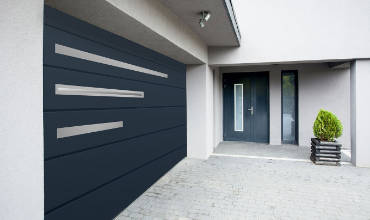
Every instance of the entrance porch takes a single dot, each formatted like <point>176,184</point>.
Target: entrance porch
<point>296,93</point>
<point>253,150</point>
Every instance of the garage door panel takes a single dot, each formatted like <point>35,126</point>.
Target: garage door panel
<point>81,61</point>
<point>135,122</point>
<point>114,118</point>
<point>77,27</point>
<point>73,175</point>
<point>154,95</point>
<point>106,202</point>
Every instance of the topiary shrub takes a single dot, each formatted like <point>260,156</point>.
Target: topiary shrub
<point>327,126</point>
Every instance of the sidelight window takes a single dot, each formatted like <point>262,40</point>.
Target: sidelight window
<point>289,107</point>
<point>238,107</point>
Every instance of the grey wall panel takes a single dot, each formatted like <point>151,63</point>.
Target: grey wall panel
<point>72,176</point>
<point>154,95</point>
<point>136,122</point>
<point>107,201</point>
<point>90,32</point>
<point>51,58</point>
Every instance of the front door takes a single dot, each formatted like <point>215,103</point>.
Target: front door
<point>246,107</point>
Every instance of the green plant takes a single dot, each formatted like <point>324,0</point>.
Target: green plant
<point>327,126</point>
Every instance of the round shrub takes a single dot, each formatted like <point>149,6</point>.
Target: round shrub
<point>327,126</point>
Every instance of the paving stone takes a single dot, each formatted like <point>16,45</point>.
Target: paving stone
<point>244,188</point>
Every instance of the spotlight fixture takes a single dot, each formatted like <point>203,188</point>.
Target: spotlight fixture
<point>205,16</point>
<point>201,23</point>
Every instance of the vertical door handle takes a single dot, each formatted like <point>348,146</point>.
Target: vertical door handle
<point>251,109</point>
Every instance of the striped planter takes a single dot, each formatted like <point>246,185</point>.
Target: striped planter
<point>324,152</point>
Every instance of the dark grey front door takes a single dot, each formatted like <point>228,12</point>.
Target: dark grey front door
<point>246,107</point>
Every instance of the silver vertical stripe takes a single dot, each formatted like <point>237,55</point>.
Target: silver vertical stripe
<point>85,129</point>
<point>72,52</point>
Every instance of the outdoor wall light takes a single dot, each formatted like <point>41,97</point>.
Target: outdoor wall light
<point>205,16</point>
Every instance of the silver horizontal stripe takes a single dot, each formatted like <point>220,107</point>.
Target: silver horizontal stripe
<point>85,129</point>
<point>61,89</point>
<point>68,51</point>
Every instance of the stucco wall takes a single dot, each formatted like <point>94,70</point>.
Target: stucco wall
<point>360,119</point>
<point>291,30</point>
<point>199,110</point>
<point>163,21</point>
<point>217,107</point>
<point>21,126</point>
<point>275,106</point>
<point>318,87</point>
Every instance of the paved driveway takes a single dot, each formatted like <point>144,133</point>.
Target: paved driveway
<point>244,188</point>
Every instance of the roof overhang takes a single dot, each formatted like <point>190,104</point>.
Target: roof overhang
<point>221,29</point>
<point>170,27</point>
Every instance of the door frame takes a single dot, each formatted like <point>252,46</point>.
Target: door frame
<point>267,73</point>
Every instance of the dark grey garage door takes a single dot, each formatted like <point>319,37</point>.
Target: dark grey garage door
<point>114,118</point>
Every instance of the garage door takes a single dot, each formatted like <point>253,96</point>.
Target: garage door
<point>114,118</point>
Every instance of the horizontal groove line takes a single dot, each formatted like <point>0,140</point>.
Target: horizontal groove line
<point>109,143</point>
<point>113,108</point>
<point>114,179</point>
<point>111,47</point>
<point>111,76</point>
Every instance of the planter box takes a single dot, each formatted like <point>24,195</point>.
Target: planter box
<point>325,152</point>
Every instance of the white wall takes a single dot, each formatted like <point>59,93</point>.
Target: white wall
<point>21,129</point>
<point>217,106</point>
<point>199,98</point>
<point>360,108</point>
<point>163,21</point>
<point>275,106</point>
<point>209,110</point>
<point>318,87</point>
<point>353,111</point>
<point>291,30</point>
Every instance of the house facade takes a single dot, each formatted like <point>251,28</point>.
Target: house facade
<point>101,98</point>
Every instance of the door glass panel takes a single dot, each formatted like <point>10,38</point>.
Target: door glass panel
<point>238,107</point>
<point>289,107</point>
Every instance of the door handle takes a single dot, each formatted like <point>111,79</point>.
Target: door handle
<point>251,109</point>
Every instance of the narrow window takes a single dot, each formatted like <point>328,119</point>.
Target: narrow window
<point>238,107</point>
<point>289,104</point>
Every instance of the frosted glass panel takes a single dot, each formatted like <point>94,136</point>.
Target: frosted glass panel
<point>289,103</point>
<point>238,107</point>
